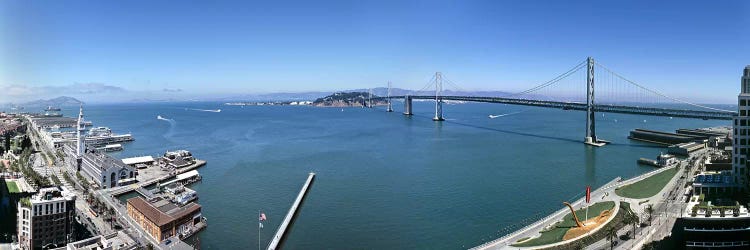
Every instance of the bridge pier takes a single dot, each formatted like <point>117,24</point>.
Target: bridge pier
<point>438,100</point>
<point>438,110</point>
<point>590,138</point>
<point>390,107</point>
<point>407,105</point>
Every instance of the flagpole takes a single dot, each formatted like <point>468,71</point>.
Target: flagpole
<point>259,230</point>
<point>588,199</point>
<point>587,213</point>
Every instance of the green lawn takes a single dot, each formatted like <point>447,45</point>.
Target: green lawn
<point>558,231</point>
<point>12,187</point>
<point>647,187</point>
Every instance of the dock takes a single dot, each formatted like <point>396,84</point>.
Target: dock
<point>649,162</point>
<point>117,191</point>
<point>284,224</point>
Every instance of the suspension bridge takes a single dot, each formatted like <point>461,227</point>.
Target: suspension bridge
<point>614,94</point>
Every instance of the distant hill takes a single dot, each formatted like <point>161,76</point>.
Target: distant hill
<point>307,96</point>
<point>54,102</point>
<point>398,92</point>
<point>345,99</point>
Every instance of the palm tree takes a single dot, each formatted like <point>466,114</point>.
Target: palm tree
<point>628,219</point>
<point>634,221</point>
<point>650,211</point>
<point>611,234</point>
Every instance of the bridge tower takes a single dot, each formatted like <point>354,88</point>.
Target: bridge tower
<point>407,105</point>
<point>390,107</point>
<point>438,98</point>
<point>590,138</point>
<point>369,98</point>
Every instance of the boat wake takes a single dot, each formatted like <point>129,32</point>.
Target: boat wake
<point>172,124</point>
<point>164,119</point>
<point>208,110</point>
<point>501,115</point>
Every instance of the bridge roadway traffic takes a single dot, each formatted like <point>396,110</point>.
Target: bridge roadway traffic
<point>607,108</point>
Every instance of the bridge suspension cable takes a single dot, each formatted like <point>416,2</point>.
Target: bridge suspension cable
<point>551,82</point>
<point>429,84</point>
<point>657,92</point>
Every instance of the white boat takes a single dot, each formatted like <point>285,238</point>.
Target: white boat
<point>111,148</point>
<point>104,135</point>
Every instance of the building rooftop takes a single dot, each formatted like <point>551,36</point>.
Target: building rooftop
<point>117,240</point>
<point>53,193</point>
<point>138,160</point>
<point>162,212</point>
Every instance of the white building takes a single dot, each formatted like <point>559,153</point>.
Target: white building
<point>115,241</point>
<point>741,146</point>
<point>46,219</point>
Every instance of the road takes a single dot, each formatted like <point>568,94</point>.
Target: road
<point>666,210</point>
<point>663,208</point>
<point>96,224</point>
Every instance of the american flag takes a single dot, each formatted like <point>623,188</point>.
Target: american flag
<point>261,217</point>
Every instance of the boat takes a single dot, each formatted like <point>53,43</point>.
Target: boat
<point>103,135</point>
<point>494,116</point>
<point>186,196</point>
<point>50,108</point>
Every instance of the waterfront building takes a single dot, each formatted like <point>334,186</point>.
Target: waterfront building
<point>162,219</point>
<point>177,159</point>
<point>139,162</point>
<point>659,137</point>
<point>741,146</point>
<point>46,219</point>
<point>667,160</point>
<point>102,169</point>
<point>705,225</point>
<point>686,148</point>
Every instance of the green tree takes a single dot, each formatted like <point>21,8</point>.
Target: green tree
<point>632,219</point>
<point>7,141</point>
<point>650,211</point>
<point>25,143</point>
<point>611,235</point>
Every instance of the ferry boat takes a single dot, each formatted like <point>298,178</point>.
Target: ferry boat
<point>103,135</point>
<point>50,108</point>
<point>186,196</point>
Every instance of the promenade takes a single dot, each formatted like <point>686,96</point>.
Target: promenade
<point>604,193</point>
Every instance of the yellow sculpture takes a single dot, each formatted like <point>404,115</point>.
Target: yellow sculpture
<point>575,217</point>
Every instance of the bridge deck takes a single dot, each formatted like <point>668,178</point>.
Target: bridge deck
<point>607,108</point>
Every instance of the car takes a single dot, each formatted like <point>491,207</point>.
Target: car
<point>166,242</point>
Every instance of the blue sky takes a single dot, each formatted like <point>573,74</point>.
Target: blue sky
<point>99,50</point>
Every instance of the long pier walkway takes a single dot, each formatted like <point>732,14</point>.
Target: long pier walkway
<point>282,228</point>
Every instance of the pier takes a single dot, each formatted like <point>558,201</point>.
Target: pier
<point>284,224</point>
<point>117,191</point>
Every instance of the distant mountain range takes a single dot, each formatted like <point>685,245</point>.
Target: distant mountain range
<point>54,102</point>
